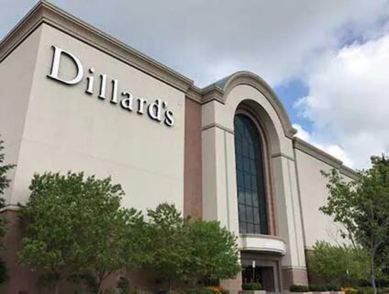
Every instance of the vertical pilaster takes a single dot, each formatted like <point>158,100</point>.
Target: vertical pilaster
<point>289,220</point>
<point>219,179</point>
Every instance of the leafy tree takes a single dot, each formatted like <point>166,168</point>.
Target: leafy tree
<point>362,207</point>
<point>191,250</point>
<point>4,184</point>
<point>4,169</point>
<point>213,251</point>
<point>169,248</point>
<point>75,227</point>
<point>343,265</point>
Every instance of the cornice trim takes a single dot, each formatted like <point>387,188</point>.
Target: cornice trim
<point>220,91</point>
<point>216,125</point>
<point>27,25</point>
<point>280,154</point>
<point>194,93</point>
<point>10,207</point>
<point>323,156</point>
<point>293,267</point>
<point>45,12</point>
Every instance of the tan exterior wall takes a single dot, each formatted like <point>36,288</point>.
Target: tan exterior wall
<point>313,194</point>
<point>51,126</point>
<point>16,78</point>
<point>67,129</point>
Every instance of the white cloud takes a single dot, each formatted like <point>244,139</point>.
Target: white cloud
<point>207,40</point>
<point>348,100</point>
<point>332,149</point>
<point>302,134</point>
<point>279,40</point>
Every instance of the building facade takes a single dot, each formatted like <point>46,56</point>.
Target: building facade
<point>74,98</point>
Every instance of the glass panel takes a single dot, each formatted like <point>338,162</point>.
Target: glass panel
<point>247,183</point>
<point>256,216</point>
<point>246,164</point>
<point>242,228</point>
<point>249,198</point>
<point>257,229</point>
<point>242,212</point>
<point>255,184</point>
<point>246,149</point>
<point>253,167</point>
<point>250,182</point>
<point>255,201</point>
<point>240,175</point>
<point>238,148</point>
<point>250,217</point>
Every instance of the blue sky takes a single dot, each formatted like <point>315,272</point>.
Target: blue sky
<point>328,61</point>
<point>289,92</point>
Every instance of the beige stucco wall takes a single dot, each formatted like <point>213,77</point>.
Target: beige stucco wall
<point>16,77</point>
<point>313,193</point>
<point>67,129</point>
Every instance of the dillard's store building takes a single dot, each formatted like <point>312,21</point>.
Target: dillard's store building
<point>74,98</point>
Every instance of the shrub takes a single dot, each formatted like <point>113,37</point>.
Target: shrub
<point>3,272</point>
<point>141,291</point>
<point>333,287</point>
<point>365,290</point>
<point>349,290</point>
<point>342,265</point>
<point>123,285</point>
<point>192,291</point>
<point>314,288</point>
<point>252,286</point>
<point>318,288</point>
<point>190,250</point>
<point>299,288</point>
<point>217,290</point>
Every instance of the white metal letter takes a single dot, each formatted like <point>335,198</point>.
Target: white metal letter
<point>55,67</point>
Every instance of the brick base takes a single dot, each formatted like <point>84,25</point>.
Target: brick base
<point>233,285</point>
<point>24,281</point>
<point>293,275</point>
<point>20,279</point>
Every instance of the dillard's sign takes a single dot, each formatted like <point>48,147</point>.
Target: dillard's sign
<point>156,111</point>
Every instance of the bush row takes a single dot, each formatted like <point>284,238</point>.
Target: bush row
<point>313,288</point>
<point>346,290</point>
<point>252,286</point>
<point>206,290</point>
<point>364,290</point>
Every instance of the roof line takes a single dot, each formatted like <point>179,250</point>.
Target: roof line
<point>45,12</point>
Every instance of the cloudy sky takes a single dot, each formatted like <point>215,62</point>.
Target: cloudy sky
<point>327,60</point>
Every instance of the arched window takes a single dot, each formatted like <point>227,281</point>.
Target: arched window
<point>250,177</point>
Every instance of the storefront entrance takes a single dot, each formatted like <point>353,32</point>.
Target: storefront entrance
<point>261,268</point>
<point>263,275</point>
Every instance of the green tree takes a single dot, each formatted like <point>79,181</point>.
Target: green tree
<point>362,207</point>
<point>4,184</point>
<point>169,247</point>
<point>74,227</point>
<point>344,265</point>
<point>213,251</point>
<point>191,250</point>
